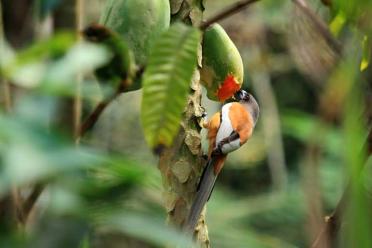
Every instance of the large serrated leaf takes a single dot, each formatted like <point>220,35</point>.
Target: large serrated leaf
<point>166,82</point>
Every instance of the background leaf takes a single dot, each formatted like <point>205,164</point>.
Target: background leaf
<point>166,83</point>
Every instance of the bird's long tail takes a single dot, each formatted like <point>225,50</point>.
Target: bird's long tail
<point>205,188</point>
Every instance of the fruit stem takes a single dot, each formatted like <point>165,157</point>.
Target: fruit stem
<point>227,12</point>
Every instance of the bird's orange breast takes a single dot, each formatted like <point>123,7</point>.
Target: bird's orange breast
<point>241,121</point>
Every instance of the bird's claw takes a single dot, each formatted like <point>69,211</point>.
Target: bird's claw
<point>204,114</point>
<point>217,150</point>
<point>202,119</point>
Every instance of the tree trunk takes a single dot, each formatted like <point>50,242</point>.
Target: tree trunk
<point>182,164</point>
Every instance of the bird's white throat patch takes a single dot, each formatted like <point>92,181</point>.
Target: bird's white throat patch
<point>225,131</point>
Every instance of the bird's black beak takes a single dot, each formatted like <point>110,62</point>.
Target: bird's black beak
<point>240,95</point>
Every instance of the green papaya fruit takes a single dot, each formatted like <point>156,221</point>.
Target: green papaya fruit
<point>139,22</point>
<point>222,66</point>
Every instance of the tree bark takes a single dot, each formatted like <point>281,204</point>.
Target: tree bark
<point>181,165</point>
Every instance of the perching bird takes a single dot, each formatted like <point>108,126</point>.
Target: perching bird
<point>117,70</point>
<point>228,130</point>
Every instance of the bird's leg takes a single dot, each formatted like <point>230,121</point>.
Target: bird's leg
<point>218,150</point>
<point>233,136</point>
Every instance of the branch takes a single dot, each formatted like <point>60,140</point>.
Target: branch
<point>30,202</point>
<point>332,222</point>
<point>92,119</point>
<point>227,12</point>
<point>319,25</point>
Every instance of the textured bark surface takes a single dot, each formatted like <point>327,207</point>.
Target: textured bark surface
<point>182,164</point>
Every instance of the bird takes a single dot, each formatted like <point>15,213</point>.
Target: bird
<point>116,72</point>
<point>228,130</point>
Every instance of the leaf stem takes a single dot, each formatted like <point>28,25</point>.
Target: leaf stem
<point>227,12</point>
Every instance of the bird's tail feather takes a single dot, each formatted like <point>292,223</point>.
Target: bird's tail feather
<point>205,188</point>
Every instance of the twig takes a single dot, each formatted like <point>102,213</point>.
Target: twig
<point>322,28</point>
<point>332,221</point>
<point>229,11</point>
<point>30,202</point>
<point>92,119</point>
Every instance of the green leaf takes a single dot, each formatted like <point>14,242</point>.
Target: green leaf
<point>53,47</point>
<point>358,209</point>
<point>166,82</point>
<point>52,65</point>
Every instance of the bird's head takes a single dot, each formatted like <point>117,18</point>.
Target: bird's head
<point>96,33</point>
<point>250,102</point>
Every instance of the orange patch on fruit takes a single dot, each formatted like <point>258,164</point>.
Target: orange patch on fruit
<point>228,88</point>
